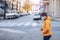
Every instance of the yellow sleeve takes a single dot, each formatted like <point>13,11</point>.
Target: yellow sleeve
<point>46,27</point>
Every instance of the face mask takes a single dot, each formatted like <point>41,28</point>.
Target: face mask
<point>42,18</point>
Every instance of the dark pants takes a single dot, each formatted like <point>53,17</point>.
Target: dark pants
<point>47,37</point>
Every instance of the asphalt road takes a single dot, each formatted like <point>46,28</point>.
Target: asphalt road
<point>24,28</point>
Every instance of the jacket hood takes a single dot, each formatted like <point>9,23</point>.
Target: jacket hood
<point>49,18</point>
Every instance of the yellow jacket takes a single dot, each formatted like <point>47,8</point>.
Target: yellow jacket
<point>47,27</point>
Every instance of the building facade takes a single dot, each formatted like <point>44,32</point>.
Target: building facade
<point>44,6</point>
<point>52,7</point>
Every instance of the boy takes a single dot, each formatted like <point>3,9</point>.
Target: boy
<point>46,27</point>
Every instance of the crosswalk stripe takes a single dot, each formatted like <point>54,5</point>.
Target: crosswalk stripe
<point>34,24</point>
<point>27,24</point>
<point>4,24</point>
<point>9,24</point>
<point>12,24</point>
<point>20,24</point>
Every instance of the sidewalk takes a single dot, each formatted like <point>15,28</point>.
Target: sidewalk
<point>56,19</point>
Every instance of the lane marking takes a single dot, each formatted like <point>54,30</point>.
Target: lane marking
<point>20,24</point>
<point>11,30</point>
<point>4,24</point>
<point>12,24</point>
<point>27,24</point>
<point>34,24</point>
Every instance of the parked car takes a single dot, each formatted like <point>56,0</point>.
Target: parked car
<point>23,14</point>
<point>36,16</point>
<point>12,14</point>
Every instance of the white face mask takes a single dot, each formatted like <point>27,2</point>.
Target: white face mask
<point>42,18</point>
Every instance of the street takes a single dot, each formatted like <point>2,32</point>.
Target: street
<point>24,28</point>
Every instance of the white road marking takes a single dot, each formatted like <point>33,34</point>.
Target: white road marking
<point>20,24</point>
<point>7,24</point>
<point>3,24</point>
<point>12,24</point>
<point>34,24</point>
<point>11,30</point>
<point>27,24</point>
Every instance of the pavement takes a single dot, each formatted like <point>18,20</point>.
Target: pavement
<point>25,28</point>
<point>56,18</point>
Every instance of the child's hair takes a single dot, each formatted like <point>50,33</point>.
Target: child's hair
<point>44,14</point>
